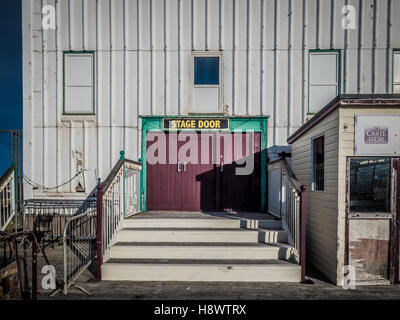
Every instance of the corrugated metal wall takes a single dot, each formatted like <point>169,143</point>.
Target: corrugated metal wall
<point>143,67</point>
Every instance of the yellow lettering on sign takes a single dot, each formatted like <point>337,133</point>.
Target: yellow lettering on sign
<point>193,124</point>
<point>200,124</point>
<point>183,124</point>
<point>218,124</point>
<point>206,124</point>
<point>173,124</point>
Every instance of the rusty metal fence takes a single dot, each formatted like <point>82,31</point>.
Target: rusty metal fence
<point>18,250</point>
<point>48,219</point>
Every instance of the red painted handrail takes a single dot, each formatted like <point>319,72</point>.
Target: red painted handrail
<point>303,232</point>
<point>99,230</point>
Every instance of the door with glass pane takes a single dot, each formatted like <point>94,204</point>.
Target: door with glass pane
<point>373,216</point>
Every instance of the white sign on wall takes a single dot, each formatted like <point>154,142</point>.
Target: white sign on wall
<point>377,135</point>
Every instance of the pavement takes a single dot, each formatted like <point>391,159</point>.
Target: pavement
<point>320,290</point>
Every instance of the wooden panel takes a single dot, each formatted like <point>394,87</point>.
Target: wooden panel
<point>164,182</point>
<point>369,249</point>
<point>198,179</point>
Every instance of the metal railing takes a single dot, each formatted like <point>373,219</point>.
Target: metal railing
<point>15,142</point>
<point>117,197</point>
<point>79,247</point>
<point>80,232</point>
<point>13,259</point>
<point>293,213</point>
<point>48,220</point>
<point>52,214</point>
<point>8,198</point>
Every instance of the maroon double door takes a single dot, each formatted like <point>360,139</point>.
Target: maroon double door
<point>201,175</point>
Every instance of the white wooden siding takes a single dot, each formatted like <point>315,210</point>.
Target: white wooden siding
<point>142,52</point>
<point>321,205</point>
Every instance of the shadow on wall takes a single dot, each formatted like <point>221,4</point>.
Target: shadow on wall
<point>221,189</point>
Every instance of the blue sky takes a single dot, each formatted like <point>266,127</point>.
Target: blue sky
<point>10,75</point>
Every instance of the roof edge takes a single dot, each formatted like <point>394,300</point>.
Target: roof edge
<point>346,100</point>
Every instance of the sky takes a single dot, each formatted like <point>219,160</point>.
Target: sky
<point>10,75</point>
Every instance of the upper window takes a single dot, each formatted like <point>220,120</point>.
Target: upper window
<point>370,185</point>
<point>206,70</point>
<point>396,71</point>
<point>324,78</point>
<point>78,83</point>
<point>206,82</point>
<point>318,164</point>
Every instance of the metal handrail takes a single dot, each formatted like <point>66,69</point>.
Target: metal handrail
<point>111,205</point>
<point>60,210</point>
<point>294,216</point>
<point>8,198</point>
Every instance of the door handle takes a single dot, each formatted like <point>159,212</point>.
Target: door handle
<point>222,166</point>
<point>184,166</point>
<point>178,167</point>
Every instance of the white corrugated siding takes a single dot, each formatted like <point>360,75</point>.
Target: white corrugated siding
<point>143,61</point>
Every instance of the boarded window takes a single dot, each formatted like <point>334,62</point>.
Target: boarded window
<point>78,83</point>
<point>318,149</point>
<point>396,72</point>
<point>323,79</point>
<point>370,185</point>
<point>206,89</point>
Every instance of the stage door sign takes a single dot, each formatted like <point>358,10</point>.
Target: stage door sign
<point>195,124</point>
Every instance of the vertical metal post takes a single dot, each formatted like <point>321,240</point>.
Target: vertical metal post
<point>99,235</point>
<point>19,165</point>
<point>15,195</point>
<point>12,145</point>
<point>122,157</point>
<point>303,232</point>
<point>34,268</point>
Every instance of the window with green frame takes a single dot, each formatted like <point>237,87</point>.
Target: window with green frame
<point>323,78</point>
<point>396,71</point>
<point>79,90</point>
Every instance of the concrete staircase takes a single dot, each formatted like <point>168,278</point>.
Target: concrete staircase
<point>217,249</point>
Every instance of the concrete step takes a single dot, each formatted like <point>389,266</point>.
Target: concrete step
<point>200,235</point>
<point>212,223</point>
<point>200,270</point>
<point>198,251</point>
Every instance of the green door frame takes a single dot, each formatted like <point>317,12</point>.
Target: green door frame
<point>256,123</point>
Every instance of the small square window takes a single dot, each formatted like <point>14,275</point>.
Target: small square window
<point>206,71</point>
